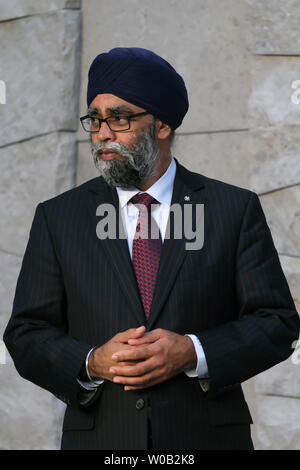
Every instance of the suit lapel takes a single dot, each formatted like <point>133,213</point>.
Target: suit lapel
<point>174,251</point>
<point>116,249</point>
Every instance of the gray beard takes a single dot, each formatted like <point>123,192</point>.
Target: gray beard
<point>138,164</point>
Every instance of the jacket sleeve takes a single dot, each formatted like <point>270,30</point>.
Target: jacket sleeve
<point>37,333</point>
<point>267,322</point>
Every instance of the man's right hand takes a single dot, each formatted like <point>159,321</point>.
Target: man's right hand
<point>100,360</point>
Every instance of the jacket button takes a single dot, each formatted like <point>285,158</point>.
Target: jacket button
<point>140,404</point>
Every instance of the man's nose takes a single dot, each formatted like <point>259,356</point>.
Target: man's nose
<point>104,133</point>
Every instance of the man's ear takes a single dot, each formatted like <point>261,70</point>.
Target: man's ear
<point>163,130</point>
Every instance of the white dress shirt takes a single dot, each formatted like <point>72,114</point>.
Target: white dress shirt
<point>162,191</point>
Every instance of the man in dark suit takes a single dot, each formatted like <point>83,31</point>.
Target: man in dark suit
<point>146,338</point>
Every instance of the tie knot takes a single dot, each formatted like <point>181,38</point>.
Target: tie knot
<point>144,198</point>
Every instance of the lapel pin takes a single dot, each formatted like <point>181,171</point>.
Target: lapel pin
<point>186,198</point>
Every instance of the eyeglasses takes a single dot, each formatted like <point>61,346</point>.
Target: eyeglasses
<point>115,123</point>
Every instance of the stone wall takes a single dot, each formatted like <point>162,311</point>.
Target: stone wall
<point>273,41</point>
<point>242,128</point>
<point>40,66</point>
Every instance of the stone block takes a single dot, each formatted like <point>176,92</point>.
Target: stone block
<point>250,396</point>
<point>275,158</point>
<point>283,216</point>
<point>278,427</point>
<point>86,169</point>
<point>206,48</point>
<point>273,27</point>
<point>281,380</point>
<point>273,102</point>
<point>39,64</point>
<point>30,416</point>
<point>19,8</point>
<point>223,155</point>
<point>291,268</point>
<point>11,266</point>
<point>31,172</point>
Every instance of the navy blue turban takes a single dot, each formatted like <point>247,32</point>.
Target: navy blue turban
<point>143,78</point>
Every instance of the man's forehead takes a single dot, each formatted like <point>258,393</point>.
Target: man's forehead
<point>104,103</point>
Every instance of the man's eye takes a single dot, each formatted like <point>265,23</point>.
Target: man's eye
<point>118,118</point>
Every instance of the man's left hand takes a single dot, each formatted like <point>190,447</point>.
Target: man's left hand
<point>159,355</point>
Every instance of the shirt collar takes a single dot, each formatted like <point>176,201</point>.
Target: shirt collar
<point>161,190</point>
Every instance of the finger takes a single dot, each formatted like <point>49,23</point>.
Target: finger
<point>144,340</point>
<point>138,333</point>
<point>131,333</point>
<point>132,354</point>
<point>127,363</point>
<point>135,370</point>
<point>149,337</point>
<point>143,381</point>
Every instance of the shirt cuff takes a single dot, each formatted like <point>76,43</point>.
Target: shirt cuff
<point>92,384</point>
<point>201,368</point>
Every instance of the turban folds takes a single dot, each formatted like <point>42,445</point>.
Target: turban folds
<point>140,77</point>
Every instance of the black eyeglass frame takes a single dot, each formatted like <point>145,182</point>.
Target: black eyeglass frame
<point>106,120</point>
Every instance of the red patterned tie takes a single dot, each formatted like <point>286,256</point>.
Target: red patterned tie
<point>146,249</point>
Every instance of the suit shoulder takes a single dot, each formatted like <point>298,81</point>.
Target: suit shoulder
<point>224,188</point>
<point>229,196</point>
<point>214,187</point>
<point>71,196</point>
<point>219,189</point>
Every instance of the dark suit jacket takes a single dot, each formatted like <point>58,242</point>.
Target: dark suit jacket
<point>75,291</point>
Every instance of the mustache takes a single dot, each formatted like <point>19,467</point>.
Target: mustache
<point>99,147</point>
<point>129,158</point>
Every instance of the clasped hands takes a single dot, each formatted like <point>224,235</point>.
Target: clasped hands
<point>139,360</point>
